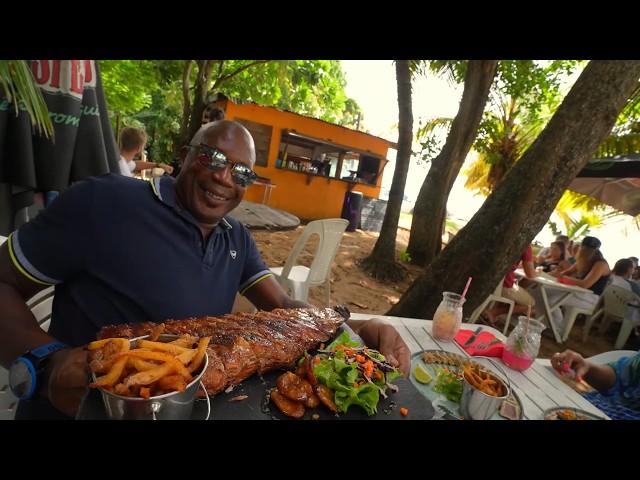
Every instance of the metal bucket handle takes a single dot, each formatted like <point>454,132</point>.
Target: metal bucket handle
<point>499,368</point>
<point>156,406</point>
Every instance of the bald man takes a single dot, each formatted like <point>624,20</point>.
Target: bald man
<point>123,251</point>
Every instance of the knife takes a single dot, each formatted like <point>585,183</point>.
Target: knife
<point>472,337</point>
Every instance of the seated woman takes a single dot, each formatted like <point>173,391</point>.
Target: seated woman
<point>555,259</point>
<point>617,383</point>
<point>591,271</point>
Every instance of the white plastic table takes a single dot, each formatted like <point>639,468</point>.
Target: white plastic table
<point>537,387</point>
<point>545,283</point>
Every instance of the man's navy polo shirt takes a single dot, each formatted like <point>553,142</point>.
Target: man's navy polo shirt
<point>120,250</point>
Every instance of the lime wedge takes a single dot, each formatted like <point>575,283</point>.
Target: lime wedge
<point>421,374</point>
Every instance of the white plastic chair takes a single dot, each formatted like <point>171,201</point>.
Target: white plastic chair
<point>614,306</point>
<point>496,296</point>
<point>571,313</point>
<point>299,278</point>
<point>40,305</point>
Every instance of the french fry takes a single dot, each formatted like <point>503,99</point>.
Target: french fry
<point>150,376</point>
<point>186,357</point>
<point>122,389</point>
<point>185,341</point>
<point>164,347</point>
<point>124,343</point>
<point>172,382</point>
<point>113,375</point>
<point>152,368</point>
<point>202,351</point>
<point>141,365</point>
<point>163,357</point>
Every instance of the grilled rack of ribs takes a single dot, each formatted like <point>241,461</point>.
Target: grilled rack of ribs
<point>245,343</point>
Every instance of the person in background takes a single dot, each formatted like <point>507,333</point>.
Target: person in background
<point>621,275</point>
<point>617,383</point>
<point>212,113</point>
<point>591,271</point>
<point>555,259</point>
<point>511,290</point>
<point>547,250</point>
<point>132,143</point>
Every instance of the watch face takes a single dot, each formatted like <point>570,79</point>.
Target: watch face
<point>22,378</point>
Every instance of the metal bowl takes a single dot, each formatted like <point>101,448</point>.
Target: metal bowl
<point>477,405</point>
<point>170,406</point>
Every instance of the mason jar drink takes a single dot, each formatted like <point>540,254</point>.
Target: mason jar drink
<point>448,316</point>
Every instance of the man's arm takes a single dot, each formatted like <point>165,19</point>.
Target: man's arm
<point>140,165</point>
<point>601,377</point>
<point>529,269</point>
<point>19,330</point>
<point>559,273</point>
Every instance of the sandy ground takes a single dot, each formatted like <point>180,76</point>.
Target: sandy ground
<point>353,287</point>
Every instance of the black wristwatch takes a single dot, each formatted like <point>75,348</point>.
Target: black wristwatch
<point>25,372</point>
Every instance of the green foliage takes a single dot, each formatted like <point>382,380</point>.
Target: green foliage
<point>405,257</point>
<point>431,135</point>
<point>309,87</point>
<point>149,93</point>
<point>19,87</point>
<point>619,145</point>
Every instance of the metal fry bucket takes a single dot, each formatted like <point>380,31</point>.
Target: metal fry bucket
<point>170,406</point>
<point>477,405</point>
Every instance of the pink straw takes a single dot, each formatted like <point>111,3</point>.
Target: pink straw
<point>464,293</point>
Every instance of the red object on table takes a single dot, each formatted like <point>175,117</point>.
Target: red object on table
<point>494,347</point>
<point>566,280</point>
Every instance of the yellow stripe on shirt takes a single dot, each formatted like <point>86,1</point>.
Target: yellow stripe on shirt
<point>257,280</point>
<point>18,266</point>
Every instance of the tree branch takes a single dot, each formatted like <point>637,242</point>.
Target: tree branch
<point>186,101</point>
<point>224,78</point>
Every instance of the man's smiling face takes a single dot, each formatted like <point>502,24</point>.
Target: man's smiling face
<point>210,194</point>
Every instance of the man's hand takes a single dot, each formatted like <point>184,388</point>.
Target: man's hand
<point>569,359</point>
<point>381,336</point>
<point>68,378</point>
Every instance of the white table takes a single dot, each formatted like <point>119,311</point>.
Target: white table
<point>537,387</point>
<point>547,282</point>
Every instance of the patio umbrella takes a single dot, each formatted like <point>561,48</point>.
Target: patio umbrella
<point>34,168</point>
<point>614,181</point>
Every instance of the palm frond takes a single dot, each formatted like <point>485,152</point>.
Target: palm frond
<point>20,89</point>
<point>431,125</point>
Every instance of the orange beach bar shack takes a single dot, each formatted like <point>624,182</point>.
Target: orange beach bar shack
<point>310,162</point>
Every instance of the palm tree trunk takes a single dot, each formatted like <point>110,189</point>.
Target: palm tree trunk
<point>431,205</point>
<point>381,264</point>
<point>519,207</point>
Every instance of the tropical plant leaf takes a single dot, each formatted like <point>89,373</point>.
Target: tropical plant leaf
<point>20,89</point>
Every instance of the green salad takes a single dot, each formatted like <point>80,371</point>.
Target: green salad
<point>357,375</point>
<point>449,383</point>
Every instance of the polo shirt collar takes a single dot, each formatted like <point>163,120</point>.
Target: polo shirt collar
<point>164,189</point>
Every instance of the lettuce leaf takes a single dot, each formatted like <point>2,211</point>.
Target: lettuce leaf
<point>343,339</point>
